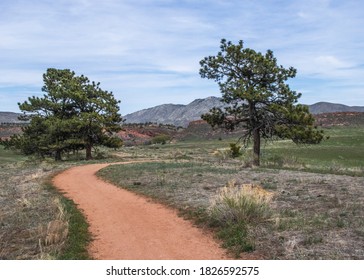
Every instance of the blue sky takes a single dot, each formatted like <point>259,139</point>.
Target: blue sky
<point>147,52</point>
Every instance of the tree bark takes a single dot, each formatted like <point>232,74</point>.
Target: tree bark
<point>88,152</point>
<point>58,156</point>
<point>256,148</point>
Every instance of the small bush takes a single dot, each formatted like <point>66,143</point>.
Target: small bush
<point>240,204</point>
<point>161,139</point>
<point>235,150</point>
<point>113,142</point>
<point>235,210</point>
<point>224,153</point>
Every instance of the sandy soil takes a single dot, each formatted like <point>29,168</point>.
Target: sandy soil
<point>127,226</point>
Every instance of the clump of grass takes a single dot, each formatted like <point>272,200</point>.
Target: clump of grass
<point>234,210</point>
<point>222,153</point>
<point>247,203</point>
<point>279,161</point>
<point>54,233</point>
<point>236,238</point>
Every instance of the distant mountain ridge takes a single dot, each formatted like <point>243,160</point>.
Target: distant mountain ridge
<point>179,115</point>
<point>9,117</point>
<point>182,115</point>
<point>326,107</point>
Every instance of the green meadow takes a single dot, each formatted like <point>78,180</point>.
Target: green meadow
<point>341,153</point>
<point>9,156</point>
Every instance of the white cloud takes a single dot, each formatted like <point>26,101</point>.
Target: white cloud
<point>143,48</point>
<point>330,62</point>
<point>9,77</point>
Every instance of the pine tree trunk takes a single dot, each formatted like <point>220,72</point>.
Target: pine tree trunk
<point>256,149</point>
<point>58,156</point>
<point>88,152</point>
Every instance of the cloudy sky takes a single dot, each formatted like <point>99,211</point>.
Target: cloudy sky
<point>147,52</point>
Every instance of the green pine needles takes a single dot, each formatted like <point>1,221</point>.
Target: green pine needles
<point>73,114</point>
<point>257,97</point>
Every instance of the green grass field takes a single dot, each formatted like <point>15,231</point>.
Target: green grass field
<point>9,156</point>
<point>342,153</point>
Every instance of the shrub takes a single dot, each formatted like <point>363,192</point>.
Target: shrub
<point>113,142</point>
<point>240,204</point>
<point>161,139</point>
<point>235,210</point>
<point>235,150</point>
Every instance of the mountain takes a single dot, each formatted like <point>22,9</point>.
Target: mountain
<point>178,115</point>
<point>9,117</point>
<point>182,115</point>
<point>326,107</point>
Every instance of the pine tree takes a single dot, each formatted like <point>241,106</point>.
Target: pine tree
<point>257,97</point>
<point>73,114</point>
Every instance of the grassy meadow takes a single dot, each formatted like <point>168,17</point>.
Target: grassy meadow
<point>8,156</point>
<point>342,153</point>
<point>315,210</point>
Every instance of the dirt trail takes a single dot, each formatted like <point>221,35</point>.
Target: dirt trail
<point>127,226</point>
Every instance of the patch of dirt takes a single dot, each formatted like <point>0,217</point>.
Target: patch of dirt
<point>127,226</point>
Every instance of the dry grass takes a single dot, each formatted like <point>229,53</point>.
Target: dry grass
<point>316,217</point>
<point>235,211</point>
<point>55,232</point>
<point>33,223</point>
<point>246,203</point>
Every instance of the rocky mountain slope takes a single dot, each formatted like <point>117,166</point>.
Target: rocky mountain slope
<point>178,115</point>
<point>182,115</point>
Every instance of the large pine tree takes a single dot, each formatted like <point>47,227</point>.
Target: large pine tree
<point>73,114</point>
<point>257,97</point>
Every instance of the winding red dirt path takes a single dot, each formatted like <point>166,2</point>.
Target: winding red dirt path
<point>127,226</point>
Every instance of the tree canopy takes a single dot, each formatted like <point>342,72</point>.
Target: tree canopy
<point>73,114</point>
<point>257,97</point>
